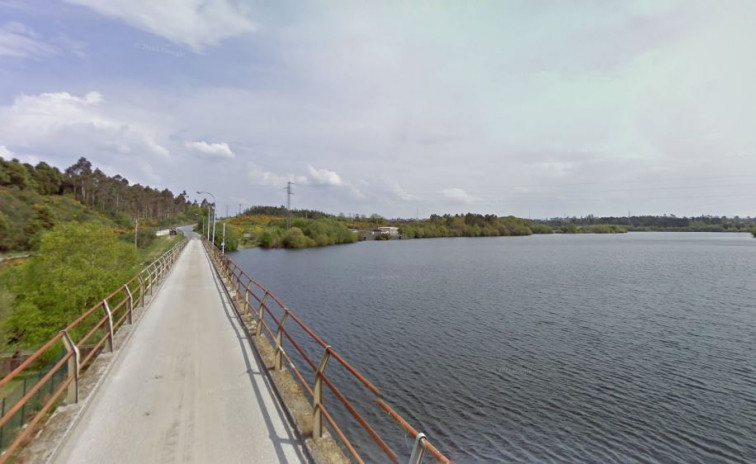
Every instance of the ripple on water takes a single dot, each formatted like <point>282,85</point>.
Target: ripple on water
<point>632,349</point>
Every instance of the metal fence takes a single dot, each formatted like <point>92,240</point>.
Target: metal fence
<point>293,342</point>
<point>39,390</point>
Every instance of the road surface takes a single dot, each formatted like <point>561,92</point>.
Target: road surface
<point>185,388</point>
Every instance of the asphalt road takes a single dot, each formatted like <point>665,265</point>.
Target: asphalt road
<point>185,388</point>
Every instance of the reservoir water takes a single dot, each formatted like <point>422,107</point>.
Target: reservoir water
<point>633,348</point>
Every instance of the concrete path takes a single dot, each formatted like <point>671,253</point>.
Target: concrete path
<point>186,387</point>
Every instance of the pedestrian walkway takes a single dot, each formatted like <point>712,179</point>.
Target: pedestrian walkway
<point>186,387</point>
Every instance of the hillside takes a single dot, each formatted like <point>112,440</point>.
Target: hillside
<point>34,199</point>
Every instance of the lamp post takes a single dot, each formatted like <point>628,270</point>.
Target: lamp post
<point>208,215</point>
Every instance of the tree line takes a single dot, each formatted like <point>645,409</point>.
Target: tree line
<point>36,198</point>
<point>660,223</point>
<point>94,188</point>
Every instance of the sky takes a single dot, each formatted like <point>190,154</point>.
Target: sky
<point>533,108</point>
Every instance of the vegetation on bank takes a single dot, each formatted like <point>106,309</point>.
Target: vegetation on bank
<point>269,231</point>
<point>468,225</point>
<point>665,223</point>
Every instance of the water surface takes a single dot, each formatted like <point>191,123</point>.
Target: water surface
<point>565,348</point>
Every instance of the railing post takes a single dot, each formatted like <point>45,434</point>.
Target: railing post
<point>418,451</point>
<point>73,368</point>
<point>131,303</point>
<point>150,276</point>
<point>141,289</point>
<point>2,414</point>
<point>109,314</point>
<point>260,313</point>
<point>317,397</point>
<point>279,341</point>
<point>246,299</point>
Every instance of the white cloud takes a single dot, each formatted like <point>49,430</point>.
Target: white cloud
<point>20,41</point>
<point>399,192</point>
<point>457,194</point>
<point>212,150</point>
<point>59,121</point>
<point>196,23</point>
<point>323,176</point>
<point>260,176</point>
<point>5,153</point>
<point>328,178</point>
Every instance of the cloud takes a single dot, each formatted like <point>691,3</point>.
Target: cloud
<point>259,176</point>
<point>20,41</point>
<point>196,23</point>
<point>5,153</point>
<point>211,150</point>
<point>457,194</point>
<point>328,178</point>
<point>52,121</point>
<point>395,189</point>
<point>323,177</point>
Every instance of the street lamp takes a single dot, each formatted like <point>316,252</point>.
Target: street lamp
<point>208,215</point>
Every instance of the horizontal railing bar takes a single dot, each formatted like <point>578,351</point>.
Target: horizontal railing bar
<point>92,331</point>
<point>373,434</point>
<point>95,349</point>
<point>301,351</point>
<point>341,435</point>
<point>21,367</point>
<point>299,375</point>
<point>356,373</point>
<point>412,432</point>
<point>309,331</point>
<point>30,427</point>
<point>31,392</point>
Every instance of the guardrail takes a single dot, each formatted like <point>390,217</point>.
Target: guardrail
<point>271,316</point>
<point>83,339</point>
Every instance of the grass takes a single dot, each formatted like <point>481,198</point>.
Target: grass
<point>159,246</point>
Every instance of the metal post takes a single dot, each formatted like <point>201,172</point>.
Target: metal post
<point>108,313</point>
<point>418,451</point>
<point>223,243</point>
<point>260,312</point>
<point>23,406</point>
<point>279,341</point>
<point>246,299</point>
<point>2,414</point>
<point>317,413</point>
<point>73,368</point>
<point>131,304</point>
<point>141,288</point>
<point>149,279</point>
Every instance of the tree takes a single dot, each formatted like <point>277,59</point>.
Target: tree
<point>14,174</point>
<point>49,180</point>
<point>78,264</point>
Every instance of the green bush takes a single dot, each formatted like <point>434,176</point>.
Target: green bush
<point>77,265</point>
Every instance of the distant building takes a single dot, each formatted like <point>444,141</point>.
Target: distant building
<point>383,230</point>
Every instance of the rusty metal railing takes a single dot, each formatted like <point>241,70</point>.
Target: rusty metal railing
<point>83,339</point>
<point>271,317</point>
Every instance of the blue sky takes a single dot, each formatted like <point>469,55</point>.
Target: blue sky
<point>531,108</point>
